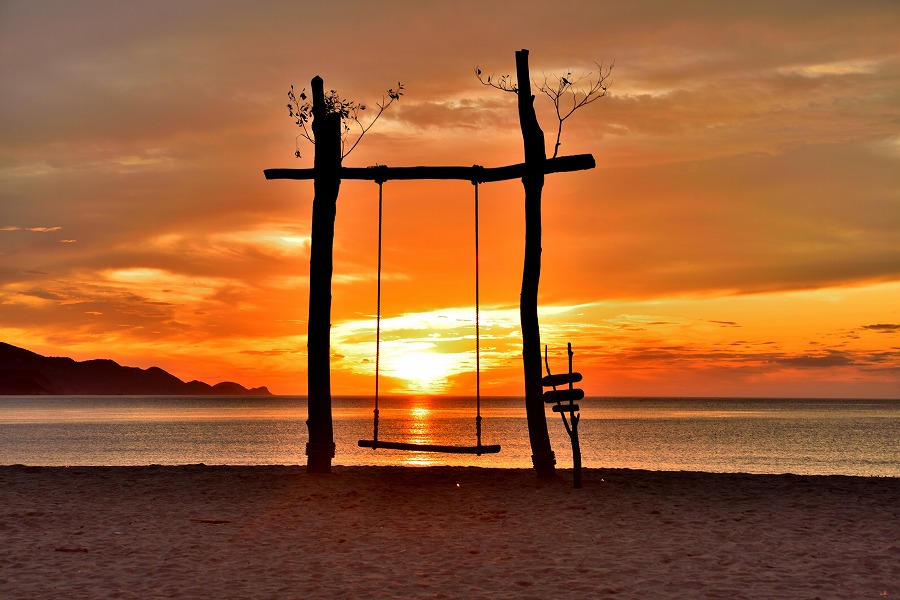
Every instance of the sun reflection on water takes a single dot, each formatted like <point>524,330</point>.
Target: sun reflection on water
<point>420,412</point>
<point>419,430</point>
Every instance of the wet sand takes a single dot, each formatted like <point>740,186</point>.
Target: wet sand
<point>442,532</point>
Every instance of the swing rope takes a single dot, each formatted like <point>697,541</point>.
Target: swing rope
<point>378,317</point>
<point>477,328</point>
<point>374,443</point>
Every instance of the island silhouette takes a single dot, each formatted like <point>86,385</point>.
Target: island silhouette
<point>26,373</point>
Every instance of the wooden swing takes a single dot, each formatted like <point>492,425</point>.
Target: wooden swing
<point>479,448</point>
<point>328,173</point>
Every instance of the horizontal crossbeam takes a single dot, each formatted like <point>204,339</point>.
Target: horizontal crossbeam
<point>379,445</point>
<point>562,164</point>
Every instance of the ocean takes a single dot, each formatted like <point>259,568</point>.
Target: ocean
<point>802,436</point>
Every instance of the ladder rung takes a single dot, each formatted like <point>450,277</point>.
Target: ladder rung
<point>560,379</point>
<point>564,395</point>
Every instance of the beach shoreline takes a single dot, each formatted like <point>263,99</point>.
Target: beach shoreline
<point>198,531</point>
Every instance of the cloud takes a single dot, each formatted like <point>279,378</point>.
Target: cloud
<point>882,328</point>
<point>828,359</point>
<point>34,229</point>
<point>275,352</point>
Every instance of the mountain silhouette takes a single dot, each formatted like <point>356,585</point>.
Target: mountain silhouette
<point>26,373</point>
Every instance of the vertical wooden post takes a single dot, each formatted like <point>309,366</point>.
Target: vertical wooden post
<point>327,131</point>
<point>542,456</point>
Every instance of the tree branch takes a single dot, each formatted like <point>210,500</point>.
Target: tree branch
<point>300,108</point>
<point>583,89</point>
<point>382,106</point>
<point>504,83</point>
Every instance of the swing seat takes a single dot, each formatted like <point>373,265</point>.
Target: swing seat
<point>379,444</point>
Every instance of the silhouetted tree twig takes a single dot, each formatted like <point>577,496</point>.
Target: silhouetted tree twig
<point>300,109</point>
<point>567,93</point>
<point>582,90</point>
<point>503,83</point>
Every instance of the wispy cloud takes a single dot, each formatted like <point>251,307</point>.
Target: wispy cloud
<point>34,229</point>
<point>883,327</point>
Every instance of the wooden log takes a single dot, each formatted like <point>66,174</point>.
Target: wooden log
<point>327,128</point>
<point>562,164</point>
<point>542,456</point>
<point>380,445</point>
<point>561,408</point>
<point>563,395</point>
<point>560,379</point>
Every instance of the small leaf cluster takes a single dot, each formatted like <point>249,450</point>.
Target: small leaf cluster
<point>300,109</point>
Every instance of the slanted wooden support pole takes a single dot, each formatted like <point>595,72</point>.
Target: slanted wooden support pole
<point>573,432</point>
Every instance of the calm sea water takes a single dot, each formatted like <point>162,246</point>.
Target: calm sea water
<point>804,436</point>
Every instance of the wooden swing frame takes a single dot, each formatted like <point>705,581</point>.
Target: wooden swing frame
<point>328,173</point>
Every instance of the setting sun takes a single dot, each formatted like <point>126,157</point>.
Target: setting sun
<point>420,353</point>
<point>422,369</point>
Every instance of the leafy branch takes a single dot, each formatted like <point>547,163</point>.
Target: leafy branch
<point>300,109</point>
<point>567,93</point>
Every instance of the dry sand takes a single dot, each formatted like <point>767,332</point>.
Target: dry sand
<point>393,532</point>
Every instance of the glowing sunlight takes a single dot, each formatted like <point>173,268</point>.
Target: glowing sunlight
<point>424,371</point>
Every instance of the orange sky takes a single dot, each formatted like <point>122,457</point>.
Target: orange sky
<point>740,235</point>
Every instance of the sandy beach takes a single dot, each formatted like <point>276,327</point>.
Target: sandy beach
<point>392,532</point>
